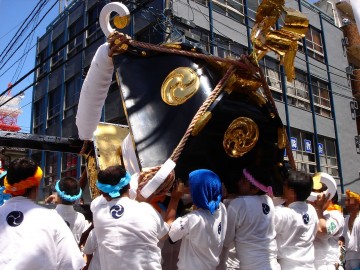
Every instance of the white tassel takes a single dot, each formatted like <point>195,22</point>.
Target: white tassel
<point>93,92</point>
<point>158,178</point>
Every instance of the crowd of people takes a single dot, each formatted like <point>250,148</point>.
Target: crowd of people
<point>248,230</point>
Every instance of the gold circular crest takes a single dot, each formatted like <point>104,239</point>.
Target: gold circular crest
<point>180,85</point>
<point>121,22</point>
<point>240,137</point>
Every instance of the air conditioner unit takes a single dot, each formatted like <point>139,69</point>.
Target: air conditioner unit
<point>187,23</point>
<point>352,110</point>
<point>349,70</point>
<point>355,104</point>
<point>191,36</point>
<point>357,144</point>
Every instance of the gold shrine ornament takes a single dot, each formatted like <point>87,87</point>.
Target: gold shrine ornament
<point>179,86</point>
<point>240,137</point>
<point>121,22</point>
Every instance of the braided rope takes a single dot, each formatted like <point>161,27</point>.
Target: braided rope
<point>272,101</point>
<point>212,58</point>
<point>244,64</point>
<point>210,99</point>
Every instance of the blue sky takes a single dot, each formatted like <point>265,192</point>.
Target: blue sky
<point>12,14</point>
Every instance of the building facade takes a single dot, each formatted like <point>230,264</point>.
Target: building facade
<point>315,107</point>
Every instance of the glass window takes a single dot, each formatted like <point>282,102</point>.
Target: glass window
<point>54,101</point>
<point>72,95</point>
<point>50,169</point>
<point>150,35</point>
<point>314,44</point>
<point>297,91</point>
<point>328,159</point>
<point>39,114</point>
<point>92,22</point>
<point>252,8</point>
<point>56,45</point>
<point>69,165</point>
<point>303,150</point>
<point>321,97</point>
<point>234,9</point>
<point>273,76</point>
<point>41,60</point>
<point>75,39</point>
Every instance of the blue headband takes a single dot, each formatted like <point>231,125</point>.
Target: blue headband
<point>3,174</point>
<point>205,189</point>
<point>3,197</point>
<point>69,198</point>
<point>114,190</point>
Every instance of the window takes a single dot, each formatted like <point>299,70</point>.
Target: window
<point>39,114</point>
<point>50,169</point>
<point>328,159</point>
<point>227,48</point>
<point>314,44</point>
<point>150,35</point>
<point>92,22</point>
<point>297,91</point>
<point>252,7</point>
<point>302,145</point>
<point>56,45</point>
<point>233,9</point>
<point>54,106</point>
<point>75,39</point>
<point>41,60</point>
<point>321,97</point>
<point>69,165</point>
<point>202,34</point>
<point>273,76</point>
<point>72,95</point>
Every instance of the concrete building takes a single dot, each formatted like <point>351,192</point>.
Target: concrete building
<point>315,107</point>
<point>348,19</point>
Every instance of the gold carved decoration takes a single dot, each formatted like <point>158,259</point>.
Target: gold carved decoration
<point>180,85</point>
<point>240,137</point>
<point>257,98</point>
<point>282,139</point>
<point>121,22</point>
<point>283,41</point>
<point>201,123</point>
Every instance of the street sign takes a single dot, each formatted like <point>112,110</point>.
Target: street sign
<point>293,143</point>
<point>321,148</point>
<point>308,147</point>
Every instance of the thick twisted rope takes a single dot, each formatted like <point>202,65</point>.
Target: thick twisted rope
<point>210,58</point>
<point>210,99</point>
<point>119,43</point>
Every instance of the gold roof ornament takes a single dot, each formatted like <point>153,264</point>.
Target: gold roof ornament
<point>283,41</point>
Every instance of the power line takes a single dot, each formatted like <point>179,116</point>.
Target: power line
<point>28,42</point>
<point>32,30</point>
<point>8,32</point>
<point>21,57</point>
<point>138,8</point>
<point>206,18</point>
<point>17,35</point>
<point>83,30</point>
